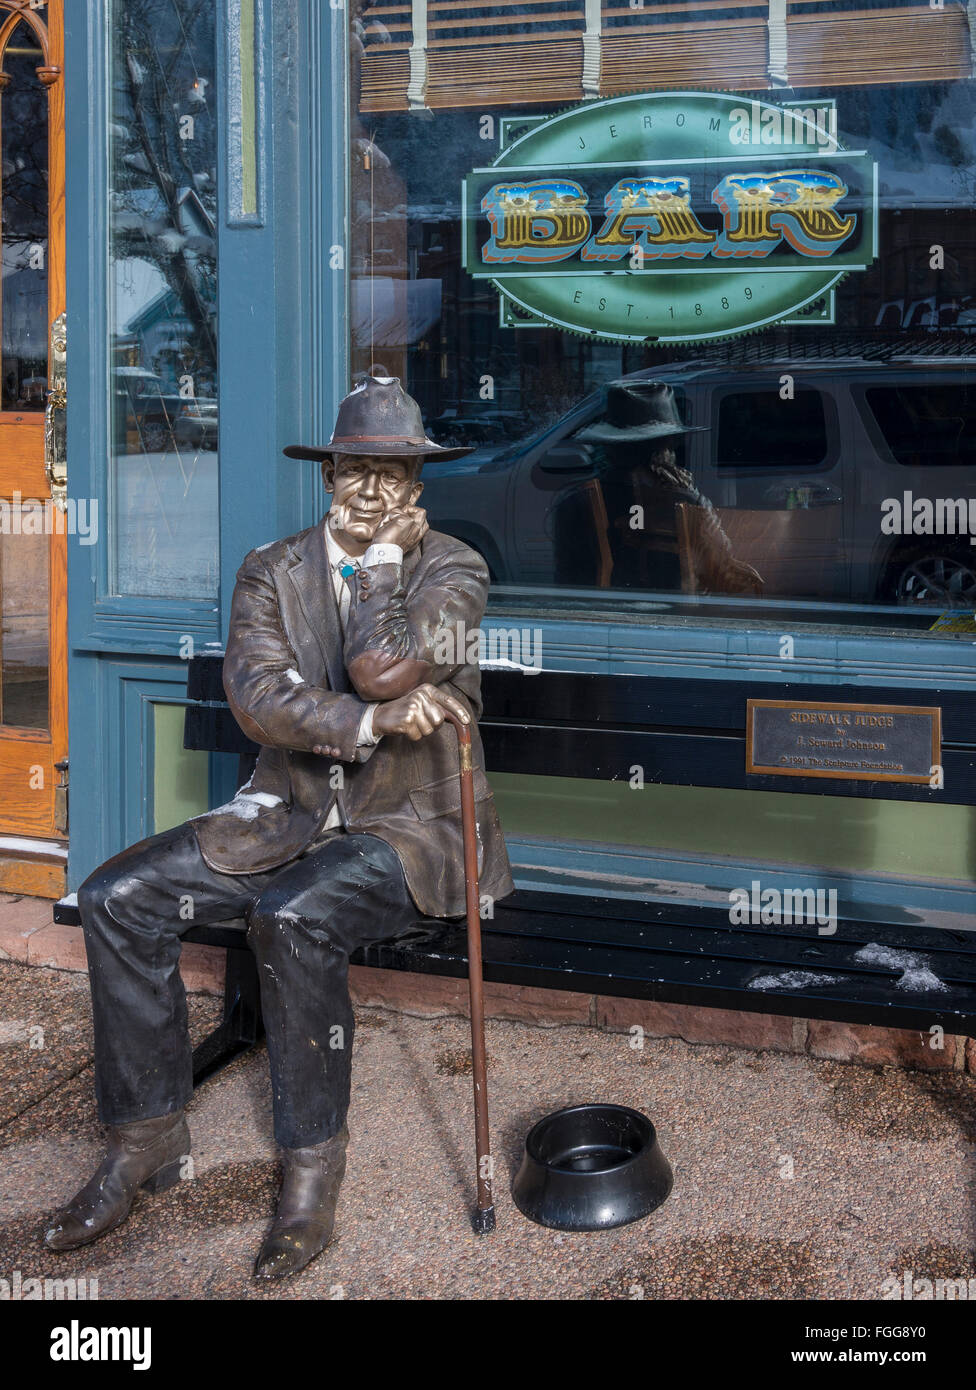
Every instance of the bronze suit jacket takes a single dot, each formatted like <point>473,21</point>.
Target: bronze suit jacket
<point>286,678</point>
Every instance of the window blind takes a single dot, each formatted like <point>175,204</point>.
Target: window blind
<point>508,53</point>
<point>680,44</point>
<point>465,53</point>
<point>852,43</point>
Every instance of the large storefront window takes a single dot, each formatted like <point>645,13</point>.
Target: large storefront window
<point>768,209</point>
<point>163,368</point>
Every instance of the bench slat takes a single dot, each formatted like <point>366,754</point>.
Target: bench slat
<point>698,980</point>
<point>621,919</point>
<point>770,947</point>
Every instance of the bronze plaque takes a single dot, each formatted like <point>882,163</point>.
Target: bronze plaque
<point>865,743</point>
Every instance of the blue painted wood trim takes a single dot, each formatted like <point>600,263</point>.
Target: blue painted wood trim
<point>323,343</point>
<point>87,286</point>
<point>112,766</point>
<point>263,313</point>
<point>696,649</point>
<point>633,871</point>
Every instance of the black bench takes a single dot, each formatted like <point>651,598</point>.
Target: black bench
<point>682,732</point>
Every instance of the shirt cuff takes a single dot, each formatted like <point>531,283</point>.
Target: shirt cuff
<point>384,553</point>
<point>366,738</point>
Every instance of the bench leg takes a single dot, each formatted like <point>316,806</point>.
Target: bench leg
<point>241,1026</point>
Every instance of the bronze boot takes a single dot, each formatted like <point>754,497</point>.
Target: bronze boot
<point>145,1154</point>
<point>306,1208</point>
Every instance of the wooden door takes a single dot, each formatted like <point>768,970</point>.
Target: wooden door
<point>33,524</point>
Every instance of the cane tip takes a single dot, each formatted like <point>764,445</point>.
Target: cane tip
<point>483,1221</point>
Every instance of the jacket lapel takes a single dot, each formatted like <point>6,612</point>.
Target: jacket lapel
<point>311,578</point>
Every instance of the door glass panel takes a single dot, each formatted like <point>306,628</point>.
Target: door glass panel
<point>24,145</point>
<point>163,367</point>
<point>24,610</point>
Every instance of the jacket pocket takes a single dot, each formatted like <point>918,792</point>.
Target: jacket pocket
<point>444,797</point>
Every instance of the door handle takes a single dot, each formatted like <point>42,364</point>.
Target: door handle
<point>61,798</point>
<point>55,427</point>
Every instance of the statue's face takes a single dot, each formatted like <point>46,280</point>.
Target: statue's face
<point>365,489</point>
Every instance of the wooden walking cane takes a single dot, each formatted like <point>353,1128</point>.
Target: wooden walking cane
<point>483,1220</point>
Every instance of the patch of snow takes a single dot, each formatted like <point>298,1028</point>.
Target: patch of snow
<point>794,979</point>
<point>70,901</point>
<point>240,807</point>
<point>23,842</point>
<point>920,979</point>
<point>915,976</point>
<point>246,805</point>
<point>876,954</point>
<point>504,663</point>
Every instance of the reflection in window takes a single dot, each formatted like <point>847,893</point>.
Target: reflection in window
<point>24,131</point>
<point>163,368</point>
<point>24,647</point>
<point>928,426</point>
<point>764,429</point>
<point>778,498</point>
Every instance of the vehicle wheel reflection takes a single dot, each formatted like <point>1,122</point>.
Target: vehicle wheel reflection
<point>939,580</point>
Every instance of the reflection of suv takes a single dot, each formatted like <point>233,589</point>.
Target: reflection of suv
<point>798,458</point>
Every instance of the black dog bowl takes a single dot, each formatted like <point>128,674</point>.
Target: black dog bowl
<point>591,1167</point>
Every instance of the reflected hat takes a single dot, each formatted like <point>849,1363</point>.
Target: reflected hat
<point>638,410</point>
<point>378,417</point>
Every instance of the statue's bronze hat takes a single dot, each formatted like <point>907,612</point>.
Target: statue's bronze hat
<point>378,417</point>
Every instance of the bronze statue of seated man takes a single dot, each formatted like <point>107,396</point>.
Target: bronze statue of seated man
<point>346,833</point>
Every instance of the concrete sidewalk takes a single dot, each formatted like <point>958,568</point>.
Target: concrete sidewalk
<point>794,1177</point>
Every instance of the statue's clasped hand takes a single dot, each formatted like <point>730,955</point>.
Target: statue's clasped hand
<point>419,713</point>
<point>402,526</point>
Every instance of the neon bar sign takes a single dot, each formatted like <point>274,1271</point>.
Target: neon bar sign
<point>671,216</point>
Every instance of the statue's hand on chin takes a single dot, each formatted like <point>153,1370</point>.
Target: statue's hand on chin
<point>403,526</point>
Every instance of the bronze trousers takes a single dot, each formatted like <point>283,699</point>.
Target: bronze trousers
<point>304,919</point>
